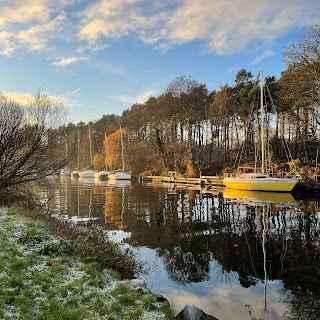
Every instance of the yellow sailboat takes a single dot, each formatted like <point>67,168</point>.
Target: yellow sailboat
<point>257,181</point>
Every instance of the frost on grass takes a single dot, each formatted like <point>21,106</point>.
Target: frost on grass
<point>40,280</point>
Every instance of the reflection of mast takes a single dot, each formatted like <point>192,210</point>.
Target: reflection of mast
<point>264,230</point>
<point>90,203</point>
<point>78,199</point>
<point>122,209</point>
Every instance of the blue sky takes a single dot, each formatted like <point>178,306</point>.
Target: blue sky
<point>99,57</point>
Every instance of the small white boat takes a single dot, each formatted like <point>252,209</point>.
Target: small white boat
<point>86,174</point>
<point>102,174</point>
<point>120,175</point>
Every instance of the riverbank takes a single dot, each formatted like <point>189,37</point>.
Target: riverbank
<point>42,276</point>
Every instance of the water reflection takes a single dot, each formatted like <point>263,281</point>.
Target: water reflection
<point>234,256</point>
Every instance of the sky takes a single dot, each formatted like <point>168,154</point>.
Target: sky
<point>101,56</point>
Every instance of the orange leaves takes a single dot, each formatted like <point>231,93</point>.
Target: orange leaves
<point>98,162</point>
<point>112,144</point>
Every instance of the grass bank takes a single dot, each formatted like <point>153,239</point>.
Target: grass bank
<point>44,276</point>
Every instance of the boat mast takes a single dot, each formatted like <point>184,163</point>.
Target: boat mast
<point>122,151</point>
<point>90,146</point>
<point>78,149</point>
<point>262,124</point>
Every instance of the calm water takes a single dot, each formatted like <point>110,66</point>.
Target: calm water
<point>235,256</point>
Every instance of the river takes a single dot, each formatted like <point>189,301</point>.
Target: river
<point>233,255</point>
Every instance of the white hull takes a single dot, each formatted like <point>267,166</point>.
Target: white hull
<point>120,176</point>
<point>86,174</point>
<point>102,174</point>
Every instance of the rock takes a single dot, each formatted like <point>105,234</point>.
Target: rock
<point>161,298</point>
<point>191,312</point>
<point>138,283</point>
<point>160,301</point>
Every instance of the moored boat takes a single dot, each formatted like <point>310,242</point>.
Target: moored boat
<point>86,174</point>
<point>260,181</point>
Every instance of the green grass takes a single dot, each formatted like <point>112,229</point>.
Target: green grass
<point>42,278</point>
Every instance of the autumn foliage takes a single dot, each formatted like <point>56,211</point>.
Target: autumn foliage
<point>113,148</point>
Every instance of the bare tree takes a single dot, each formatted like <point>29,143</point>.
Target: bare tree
<point>30,144</point>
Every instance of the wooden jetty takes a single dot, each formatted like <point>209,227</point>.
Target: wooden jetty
<point>172,178</point>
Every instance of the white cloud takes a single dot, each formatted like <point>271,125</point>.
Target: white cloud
<point>19,97</point>
<point>141,98</point>
<point>73,93</point>
<point>65,61</point>
<point>228,301</point>
<point>37,36</point>
<point>223,27</point>
<point>7,45</point>
<point>31,24</point>
<point>264,55</point>
<point>27,98</point>
<point>20,11</point>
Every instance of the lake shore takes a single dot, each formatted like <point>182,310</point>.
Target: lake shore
<point>43,277</point>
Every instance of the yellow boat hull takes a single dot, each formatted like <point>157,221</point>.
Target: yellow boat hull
<point>268,184</point>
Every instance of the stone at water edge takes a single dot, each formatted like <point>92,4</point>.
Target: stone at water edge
<point>191,312</point>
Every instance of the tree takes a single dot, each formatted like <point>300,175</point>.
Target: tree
<point>300,88</point>
<point>191,99</point>
<point>30,142</point>
<point>98,162</point>
<point>112,145</point>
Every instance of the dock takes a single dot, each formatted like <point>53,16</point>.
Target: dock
<point>172,178</point>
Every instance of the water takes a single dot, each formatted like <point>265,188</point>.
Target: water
<point>235,256</point>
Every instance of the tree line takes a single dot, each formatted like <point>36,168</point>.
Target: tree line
<point>187,128</point>
<point>190,129</point>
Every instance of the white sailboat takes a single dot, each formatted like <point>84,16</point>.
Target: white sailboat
<point>121,174</point>
<point>103,174</point>
<point>256,181</point>
<point>88,173</point>
<point>75,173</point>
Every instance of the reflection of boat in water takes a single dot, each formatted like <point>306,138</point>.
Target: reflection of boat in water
<point>116,203</point>
<point>119,183</point>
<point>260,197</point>
<point>92,181</point>
<point>64,172</point>
<point>74,219</point>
